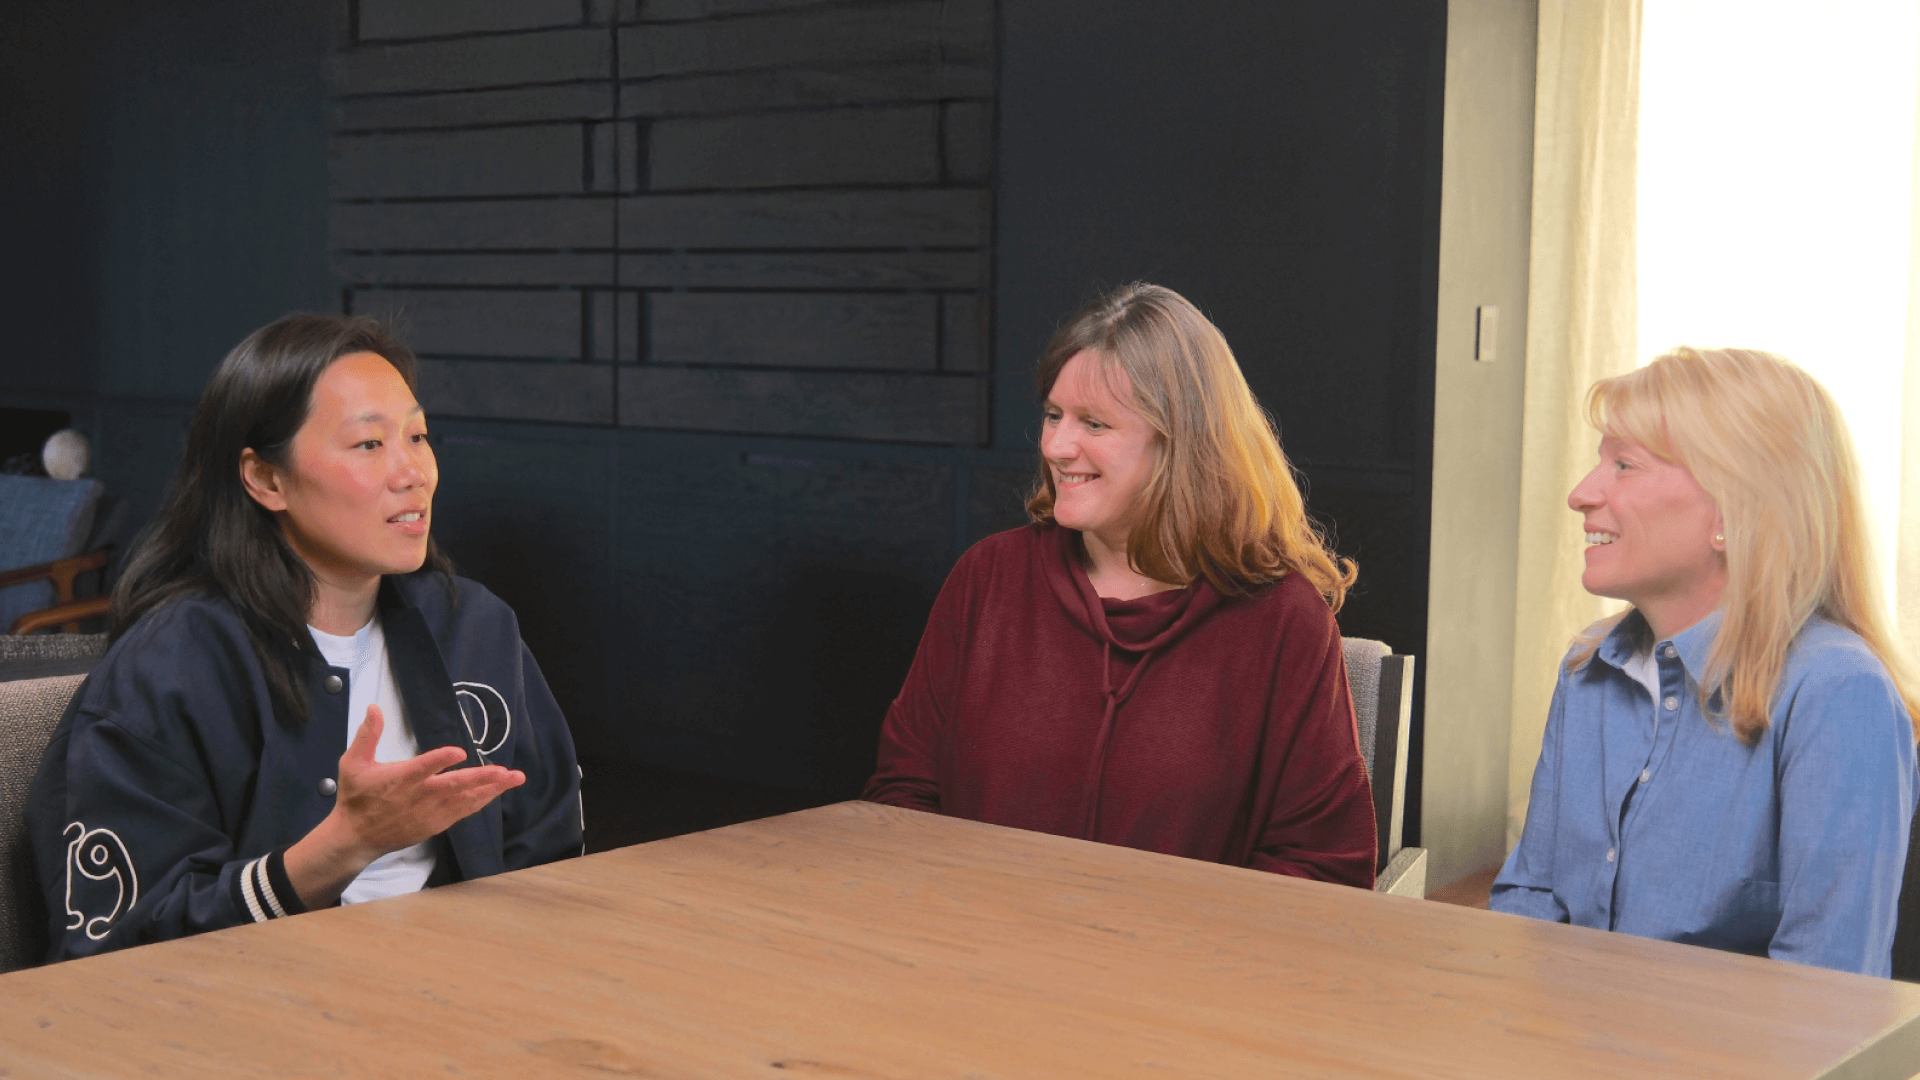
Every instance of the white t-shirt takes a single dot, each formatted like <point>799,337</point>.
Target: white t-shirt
<point>370,682</point>
<point>1645,672</point>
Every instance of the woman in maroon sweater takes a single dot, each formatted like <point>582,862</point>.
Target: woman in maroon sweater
<point>1153,662</point>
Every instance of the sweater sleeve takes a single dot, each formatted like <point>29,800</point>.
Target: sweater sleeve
<point>906,772</point>
<point>1320,824</point>
<point>542,819</point>
<point>130,849</point>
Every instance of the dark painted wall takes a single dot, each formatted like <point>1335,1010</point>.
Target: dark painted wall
<point>164,193</point>
<point>43,120</point>
<point>745,605</point>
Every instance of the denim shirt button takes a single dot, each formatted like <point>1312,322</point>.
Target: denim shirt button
<point>1610,852</point>
<point>1646,775</point>
<point>1671,703</point>
<point>1671,652</point>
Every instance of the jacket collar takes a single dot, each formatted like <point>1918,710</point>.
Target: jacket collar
<point>420,676</point>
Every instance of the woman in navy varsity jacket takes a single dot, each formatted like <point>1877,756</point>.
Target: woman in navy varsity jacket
<point>294,712</point>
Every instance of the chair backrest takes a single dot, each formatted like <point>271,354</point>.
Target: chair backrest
<point>41,520</point>
<point>30,710</point>
<point>1382,687</point>
<point>42,656</point>
<point>1906,932</point>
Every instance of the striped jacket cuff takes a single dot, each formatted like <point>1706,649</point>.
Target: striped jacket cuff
<point>265,890</point>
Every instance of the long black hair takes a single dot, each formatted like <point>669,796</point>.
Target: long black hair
<point>211,537</point>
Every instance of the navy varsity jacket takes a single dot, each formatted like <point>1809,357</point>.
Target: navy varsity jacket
<point>170,787</point>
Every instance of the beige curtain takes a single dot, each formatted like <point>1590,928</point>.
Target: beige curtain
<point>1906,554</point>
<point>1581,315</point>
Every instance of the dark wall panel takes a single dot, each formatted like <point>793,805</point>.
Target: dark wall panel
<point>522,268</point>
<point>669,10</point>
<point>785,88</point>
<point>547,159</point>
<point>886,408</point>
<point>964,325</point>
<point>475,63</point>
<point>557,393</point>
<point>917,30</point>
<point>480,322</point>
<point>809,219</point>
<point>475,226</point>
<point>516,106</point>
<point>395,19</point>
<point>430,154</point>
<point>810,270</point>
<point>821,330</point>
<point>797,149</point>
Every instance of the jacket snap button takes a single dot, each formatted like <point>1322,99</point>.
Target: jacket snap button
<point>332,684</point>
<point>327,787</point>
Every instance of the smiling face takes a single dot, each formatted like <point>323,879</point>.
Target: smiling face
<point>1099,451</point>
<point>1651,532</point>
<point>356,497</point>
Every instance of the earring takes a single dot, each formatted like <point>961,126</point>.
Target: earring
<point>1719,539</point>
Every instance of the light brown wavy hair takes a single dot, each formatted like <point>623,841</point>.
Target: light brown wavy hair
<point>1769,445</point>
<point>1221,501</point>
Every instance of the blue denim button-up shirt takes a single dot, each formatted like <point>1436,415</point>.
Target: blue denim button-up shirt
<point>1649,819</point>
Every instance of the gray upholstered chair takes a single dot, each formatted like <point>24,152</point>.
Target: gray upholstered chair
<point>1382,688</point>
<point>29,711</point>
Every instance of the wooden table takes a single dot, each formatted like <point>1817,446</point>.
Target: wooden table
<point>857,941</point>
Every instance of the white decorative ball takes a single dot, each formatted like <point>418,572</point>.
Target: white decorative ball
<point>66,455</point>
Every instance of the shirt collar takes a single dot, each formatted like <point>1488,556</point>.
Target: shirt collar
<point>1692,644</point>
<point>1696,641</point>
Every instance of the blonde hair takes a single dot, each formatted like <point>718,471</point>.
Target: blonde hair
<point>1221,500</point>
<point>1769,445</point>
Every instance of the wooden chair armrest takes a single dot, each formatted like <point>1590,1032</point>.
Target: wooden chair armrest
<point>69,613</point>
<point>60,571</point>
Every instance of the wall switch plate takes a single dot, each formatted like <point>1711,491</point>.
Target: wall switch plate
<point>1486,332</point>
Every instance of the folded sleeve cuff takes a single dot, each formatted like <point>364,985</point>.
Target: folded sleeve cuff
<point>265,891</point>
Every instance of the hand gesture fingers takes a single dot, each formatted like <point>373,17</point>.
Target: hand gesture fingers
<point>424,767</point>
<point>366,740</point>
<point>463,791</point>
<point>392,805</point>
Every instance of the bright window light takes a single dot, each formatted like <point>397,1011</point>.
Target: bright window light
<point>1776,188</point>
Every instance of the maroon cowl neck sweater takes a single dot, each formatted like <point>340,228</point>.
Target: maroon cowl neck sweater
<point>1184,722</point>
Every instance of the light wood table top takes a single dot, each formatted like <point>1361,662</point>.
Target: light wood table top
<point>858,941</point>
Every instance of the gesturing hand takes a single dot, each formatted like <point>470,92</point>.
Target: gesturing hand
<point>386,806</point>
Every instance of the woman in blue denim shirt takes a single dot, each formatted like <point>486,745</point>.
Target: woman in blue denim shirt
<point>1729,762</point>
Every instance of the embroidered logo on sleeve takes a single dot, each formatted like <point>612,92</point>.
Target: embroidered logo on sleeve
<point>97,856</point>
<point>486,714</point>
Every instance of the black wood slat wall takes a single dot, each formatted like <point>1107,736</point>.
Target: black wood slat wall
<point>746,217</point>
